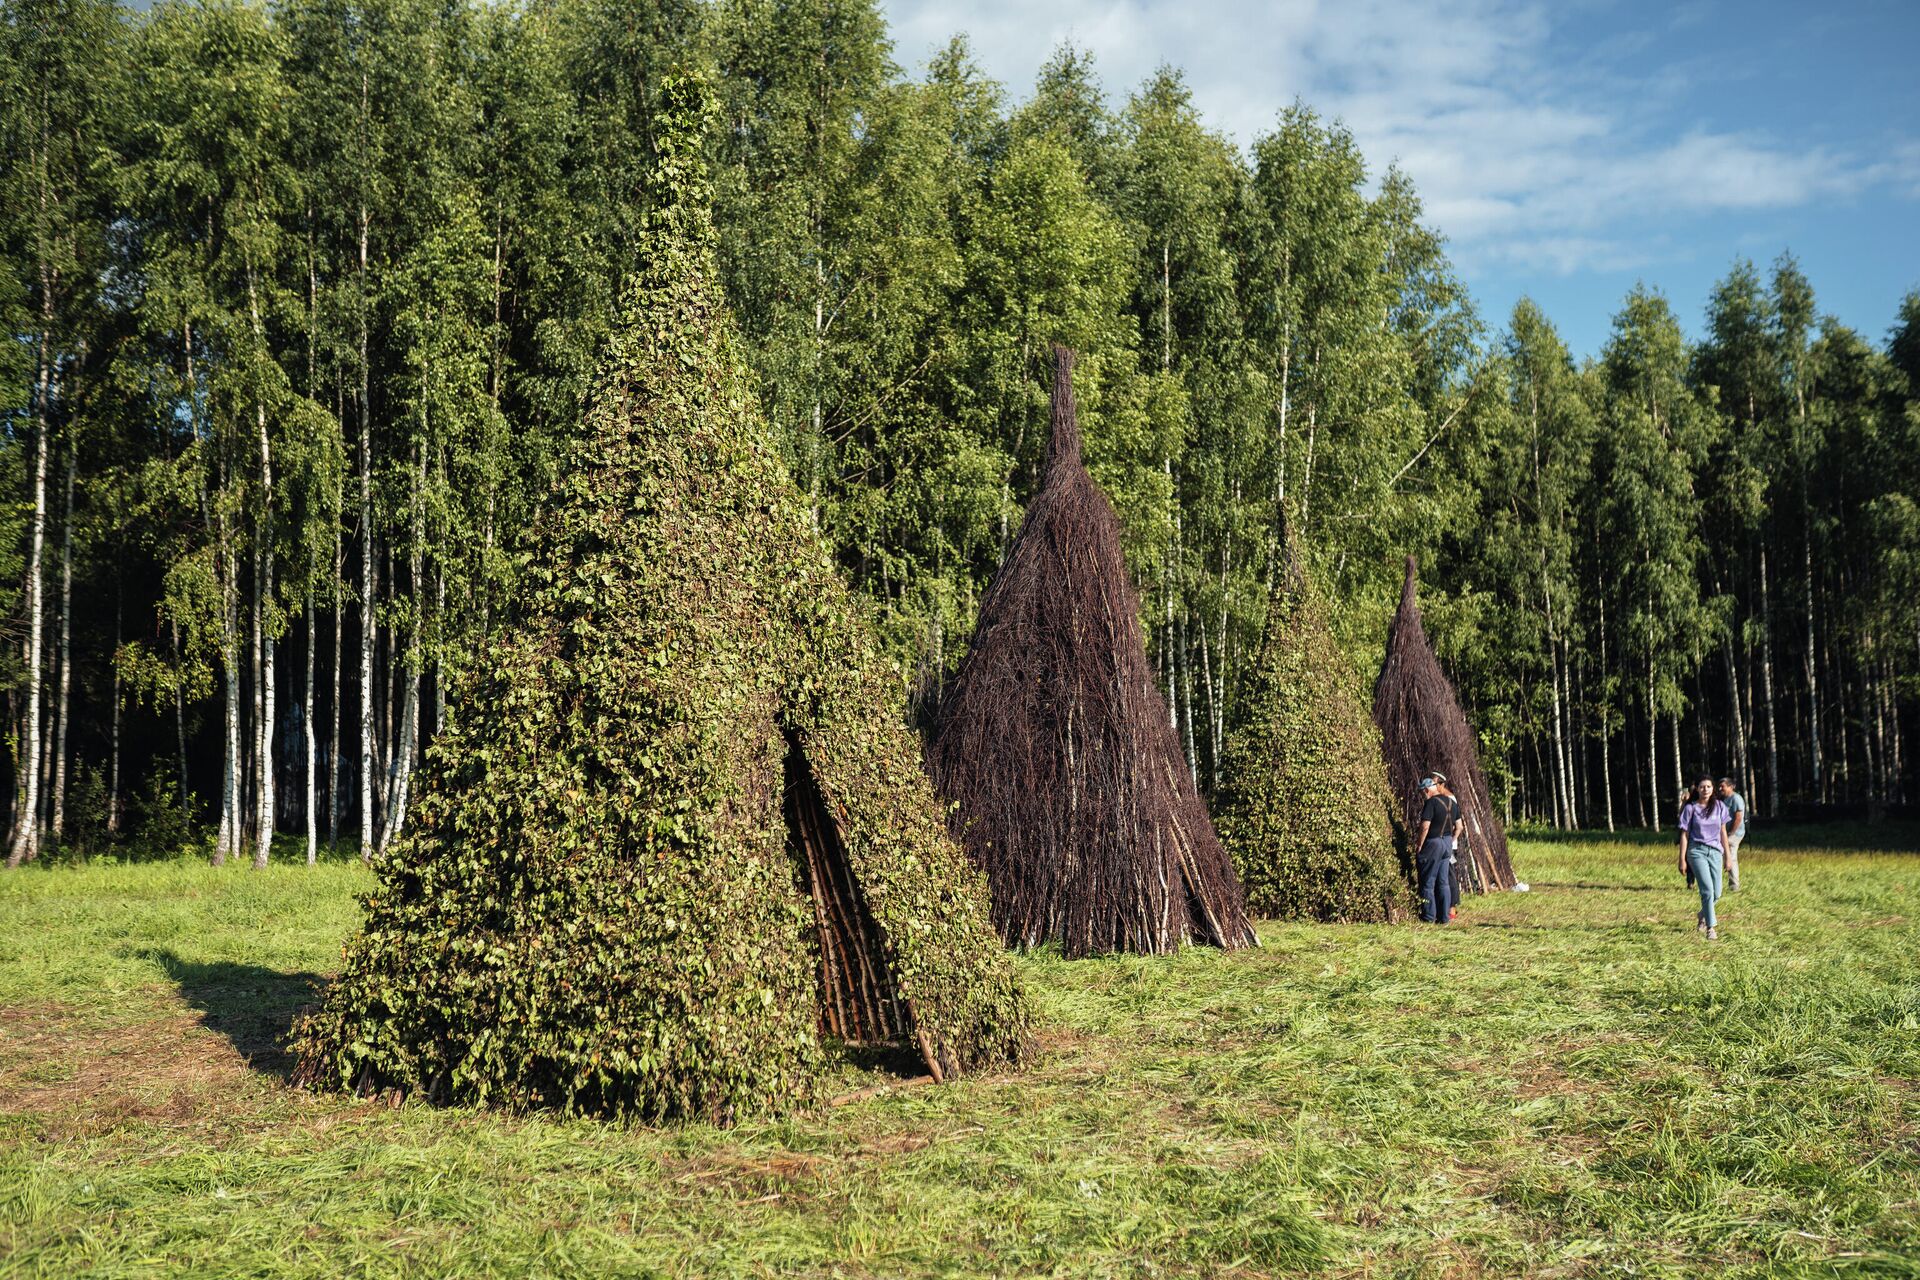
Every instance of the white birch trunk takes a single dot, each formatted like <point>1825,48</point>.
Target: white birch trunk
<point>1562,806</point>
<point>1766,689</point>
<point>366,560</point>
<point>228,843</point>
<point>400,773</point>
<point>1286,368</point>
<point>113,755</point>
<point>1567,739</point>
<point>266,694</point>
<point>63,705</point>
<point>1173,578</point>
<point>1654,807</point>
<point>333,702</point>
<point>1220,707</point>
<point>306,726</point>
<point>263,838</point>
<point>179,714</point>
<point>1207,688</point>
<point>1739,746</point>
<point>1812,667</point>
<point>25,843</point>
<point>1679,771</point>
<point>1606,733</point>
<point>1306,480</point>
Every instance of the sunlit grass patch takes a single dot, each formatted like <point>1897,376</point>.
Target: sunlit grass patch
<point>1574,1083</point>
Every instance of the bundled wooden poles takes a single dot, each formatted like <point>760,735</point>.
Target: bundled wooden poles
<point>859,996</point>
<point>1422,731</point>
<point>1070,788</point>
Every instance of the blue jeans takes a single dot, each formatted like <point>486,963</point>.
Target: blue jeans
<point>1435,865</point>
<point>1705,861</point>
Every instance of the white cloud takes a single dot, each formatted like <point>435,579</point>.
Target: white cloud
<point>1525,151</point>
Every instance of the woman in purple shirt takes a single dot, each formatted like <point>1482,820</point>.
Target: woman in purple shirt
<point>1703,848</point>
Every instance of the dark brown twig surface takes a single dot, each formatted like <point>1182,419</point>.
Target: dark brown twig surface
<point>1070,788</point>
<point>1423,729</point>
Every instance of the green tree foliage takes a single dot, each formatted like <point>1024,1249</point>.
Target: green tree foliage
<point>602,907</point>
<point>1514,611</point>
<point>1658,437</point>
<point>387,238</point>
<point>65,60</point>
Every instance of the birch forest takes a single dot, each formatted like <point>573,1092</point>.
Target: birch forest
<point>304,298</point>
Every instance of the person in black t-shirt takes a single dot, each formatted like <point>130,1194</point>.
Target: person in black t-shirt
<point>1435,841</point>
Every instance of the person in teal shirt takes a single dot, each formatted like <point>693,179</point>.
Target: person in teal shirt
<point>1703,849</point>
<point>1736,830</point>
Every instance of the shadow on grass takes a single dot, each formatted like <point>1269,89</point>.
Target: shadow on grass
<point>252,1006</point>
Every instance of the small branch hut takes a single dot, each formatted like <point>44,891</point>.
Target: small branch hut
<point>677,839</point>
<point>1069,786</point>
<point>1423,729</point>
<point>1303,805</point>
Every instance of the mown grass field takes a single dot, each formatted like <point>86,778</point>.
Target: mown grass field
<point>1574,1083</point>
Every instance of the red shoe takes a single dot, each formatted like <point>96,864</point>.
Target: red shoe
<point>1452,913</point>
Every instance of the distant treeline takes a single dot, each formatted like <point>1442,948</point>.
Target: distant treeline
<point>305,299</point>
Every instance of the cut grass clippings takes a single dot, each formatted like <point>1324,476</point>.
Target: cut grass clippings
<point>1574,1083</point>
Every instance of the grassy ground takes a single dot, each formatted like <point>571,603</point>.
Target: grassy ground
<point>1573,1084</point>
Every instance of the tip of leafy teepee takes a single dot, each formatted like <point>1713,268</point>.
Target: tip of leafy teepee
<point>678,186</point>
<point>1407,589</point>
<point>1064,444</point>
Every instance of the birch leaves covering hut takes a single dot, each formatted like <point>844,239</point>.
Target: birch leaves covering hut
<point>1303,803</point>
<point>676,837</point>
<point>1070,788</point>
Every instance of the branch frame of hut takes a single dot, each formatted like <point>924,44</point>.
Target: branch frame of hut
<point>1423,731</point>
<point>1055,747</point>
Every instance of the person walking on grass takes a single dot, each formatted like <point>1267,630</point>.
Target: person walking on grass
<point>1703,849</point>
<point>1434,840</point>
<point>1736,830</point>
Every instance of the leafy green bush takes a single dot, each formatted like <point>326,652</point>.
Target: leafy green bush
<point>164,823</point>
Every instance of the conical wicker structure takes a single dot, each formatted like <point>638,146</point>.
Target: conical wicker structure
<point>1423,729</point>
<point>1303,806</point>
<point>1069,786</point>
<point>676,838</point>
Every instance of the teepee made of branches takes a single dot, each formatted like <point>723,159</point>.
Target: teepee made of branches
<point>1423,730</point>
<point>1069,787</point>
<point>1303,805</point>
<point>676,841</point>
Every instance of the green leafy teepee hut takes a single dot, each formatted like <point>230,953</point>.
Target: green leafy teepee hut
<point>1423,731</point>
<point>1068,783</point>
<point>1303,805</point>
<point>676,838</point>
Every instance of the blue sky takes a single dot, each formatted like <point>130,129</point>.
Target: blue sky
<point>1566,150</point>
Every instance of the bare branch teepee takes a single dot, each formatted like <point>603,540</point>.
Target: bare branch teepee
<point>1423,729</point>
<point>1069,785</point>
